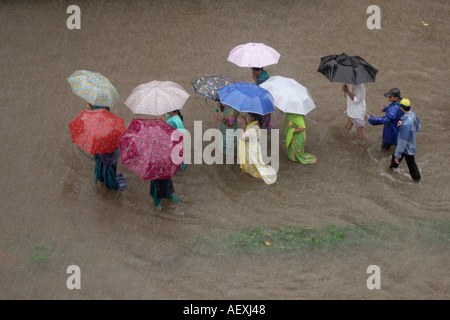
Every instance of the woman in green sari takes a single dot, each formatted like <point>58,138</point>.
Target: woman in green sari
<point>295,130</point>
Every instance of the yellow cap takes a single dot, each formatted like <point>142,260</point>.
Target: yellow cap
<point>405,102</point>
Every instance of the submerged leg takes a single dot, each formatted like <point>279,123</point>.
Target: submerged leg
<point>154,193</point>
<point>412,166</point>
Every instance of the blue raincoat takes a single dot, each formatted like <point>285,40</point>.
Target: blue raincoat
<point>407,135</point>
<point>390,130</point>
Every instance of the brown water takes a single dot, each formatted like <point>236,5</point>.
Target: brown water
<point>126,249</point>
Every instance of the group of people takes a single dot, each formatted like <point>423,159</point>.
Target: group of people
<point>400,124</point>
<point>249,148</point>
<point>106,165</point>
<point>400,127</point>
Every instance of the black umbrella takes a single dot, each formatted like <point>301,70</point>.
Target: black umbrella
<point>347,69</point>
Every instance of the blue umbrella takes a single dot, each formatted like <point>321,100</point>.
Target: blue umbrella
<point>247,97</point>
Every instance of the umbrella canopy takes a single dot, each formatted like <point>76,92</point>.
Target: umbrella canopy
<point>94,88</point>
<point>208,85</point>
<point>347,69</point>
<point>96,131</point>
<point>156,98</point>
<point>146,149</point>
<point>289,95</point>
<point>247,97</point>
<point>253,55</point>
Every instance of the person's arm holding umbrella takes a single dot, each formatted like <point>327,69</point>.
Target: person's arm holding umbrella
<point>222,118</point>
<point>347,91</point>
<point>255,74</point>
<point>243,121</point>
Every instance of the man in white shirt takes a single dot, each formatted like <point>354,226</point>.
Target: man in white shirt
<point>356,108</point>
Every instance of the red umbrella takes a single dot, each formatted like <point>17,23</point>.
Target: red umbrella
<point>147,149</point>
<point>96,131</point>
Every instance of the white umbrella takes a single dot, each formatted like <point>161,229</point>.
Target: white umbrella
<point>289,95</point>
<point>156,98</point>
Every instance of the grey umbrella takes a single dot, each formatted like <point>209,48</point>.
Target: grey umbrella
<point>347,69</point>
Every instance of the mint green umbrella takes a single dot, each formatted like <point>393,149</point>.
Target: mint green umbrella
<point>94,88</point>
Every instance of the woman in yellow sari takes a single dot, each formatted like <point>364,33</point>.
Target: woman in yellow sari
<point>295,130</point>
<point>250,157</point>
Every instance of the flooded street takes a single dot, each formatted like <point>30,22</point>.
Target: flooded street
<point>354,212</point>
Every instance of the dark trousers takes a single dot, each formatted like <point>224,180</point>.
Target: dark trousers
<point>161,188</point>
<point>385,145</point>
<point>412,166</point>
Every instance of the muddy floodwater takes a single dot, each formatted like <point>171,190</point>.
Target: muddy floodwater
<point>311,235</point>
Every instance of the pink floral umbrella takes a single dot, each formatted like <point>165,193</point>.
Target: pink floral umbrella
<point>147,149</point>
<point>156,98</point>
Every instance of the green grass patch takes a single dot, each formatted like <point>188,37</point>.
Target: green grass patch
<point>42,253</point>
<point>287,238</point>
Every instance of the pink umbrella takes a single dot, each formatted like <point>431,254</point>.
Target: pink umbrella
<point>147,149</point>
<point>251,54</point>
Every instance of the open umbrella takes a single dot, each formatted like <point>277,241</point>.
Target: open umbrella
<point>147,149</point>
<point>253,55</point>
<point>208,85</point>
<point>289,95</point>
<point>96,131</point>
<point>347,69</point>
<point>247,97</point>
<point>94,88</point>
<point>157,98</point>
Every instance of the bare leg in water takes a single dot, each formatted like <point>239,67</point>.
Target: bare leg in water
<point>348,125</point>
<point>362,132</point>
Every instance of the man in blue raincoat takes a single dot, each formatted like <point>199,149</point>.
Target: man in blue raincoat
<point>409,124</point>
<point>392,116</point>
